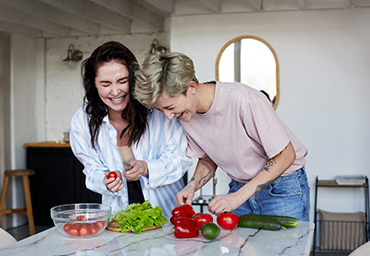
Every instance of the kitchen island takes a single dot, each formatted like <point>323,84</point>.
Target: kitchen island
<point>240,241</point>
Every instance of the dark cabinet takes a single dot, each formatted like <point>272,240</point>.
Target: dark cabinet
<point>58,180</point>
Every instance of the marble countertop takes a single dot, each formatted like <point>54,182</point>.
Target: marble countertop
<point>240,241</point>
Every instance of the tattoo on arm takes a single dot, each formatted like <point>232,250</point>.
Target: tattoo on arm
<point>269,165</point>
<point>272,162</point>
<point>205,172</point>
<point>267,168</point>
<point>263,186</point>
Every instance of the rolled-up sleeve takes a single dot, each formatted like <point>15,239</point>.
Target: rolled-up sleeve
<point>167,160</point>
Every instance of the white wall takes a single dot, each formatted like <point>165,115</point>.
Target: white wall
<point>324,59</point>
<point>26,101</point>
<point>27,115</point>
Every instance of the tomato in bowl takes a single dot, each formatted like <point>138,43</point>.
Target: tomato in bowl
<point>81,220</point>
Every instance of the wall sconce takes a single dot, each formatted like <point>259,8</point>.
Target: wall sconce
<point>73,55</point>
<point>155,47</point>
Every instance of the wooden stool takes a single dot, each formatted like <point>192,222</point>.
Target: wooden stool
<point>26,184</point>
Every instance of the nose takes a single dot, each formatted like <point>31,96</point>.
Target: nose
<point>115,89</point>
<point>168,114</point>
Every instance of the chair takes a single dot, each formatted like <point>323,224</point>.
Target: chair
<point>362,250</point>
<point>6,238</point>
<point>26,184</point>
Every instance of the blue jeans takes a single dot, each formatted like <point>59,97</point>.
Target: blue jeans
<point>286,196</point>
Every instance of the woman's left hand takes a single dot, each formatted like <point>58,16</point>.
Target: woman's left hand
<point>135,169</point>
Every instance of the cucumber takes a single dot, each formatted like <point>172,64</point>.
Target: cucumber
<point>287,222</point>
<point>268,224</point>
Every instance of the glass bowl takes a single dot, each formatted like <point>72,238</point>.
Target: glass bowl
<point>81,220</point>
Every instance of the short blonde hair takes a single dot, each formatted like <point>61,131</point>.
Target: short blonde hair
<point>171,72</point>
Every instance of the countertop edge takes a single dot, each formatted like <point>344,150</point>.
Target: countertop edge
<point>47,144</point>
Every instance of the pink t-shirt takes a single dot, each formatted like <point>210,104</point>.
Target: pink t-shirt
<point>240,133</point>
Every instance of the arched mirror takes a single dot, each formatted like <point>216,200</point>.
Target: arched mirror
<point>252,61</point>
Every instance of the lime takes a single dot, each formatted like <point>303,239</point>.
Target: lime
<point>210,230</point>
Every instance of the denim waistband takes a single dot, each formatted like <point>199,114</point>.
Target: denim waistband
<point>301,171</point>
<point>297,173</point>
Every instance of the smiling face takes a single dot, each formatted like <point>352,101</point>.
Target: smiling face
<point>182,107</point>
<point>112,84</point>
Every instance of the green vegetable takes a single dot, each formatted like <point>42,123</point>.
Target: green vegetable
<point>139,216</point>
<point>259,223</point>
<point>210,230</point>
<point>287,222</point>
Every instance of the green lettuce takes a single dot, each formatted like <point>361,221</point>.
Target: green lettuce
<point>139,216</point>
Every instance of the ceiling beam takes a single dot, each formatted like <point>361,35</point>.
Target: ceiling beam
<point>166,6</point>
<point>9,27</point>
<point>92,11</point>
<point>257,4</point>
<point>214,5</point>
<point>360,3</point>
<point>56,15</point>
<point>132,11</point>
<point>301,4</point>
<point>13,15</point>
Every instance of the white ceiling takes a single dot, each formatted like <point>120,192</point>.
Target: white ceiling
<point>58,18</point>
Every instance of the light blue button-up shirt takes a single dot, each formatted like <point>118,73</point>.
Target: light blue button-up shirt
<point>162,146</point>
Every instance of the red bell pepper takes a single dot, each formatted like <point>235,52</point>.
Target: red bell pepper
<point>185,231</point>
<point>186,221</point>
<point>228,220</point>
<point>202,218</point>
<point>185,210</point>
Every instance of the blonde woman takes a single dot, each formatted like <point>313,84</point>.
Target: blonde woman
<point>234,127</point>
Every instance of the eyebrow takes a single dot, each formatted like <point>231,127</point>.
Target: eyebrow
<point>170,106</point>
<point>167,107</point>
<point>107,81</point>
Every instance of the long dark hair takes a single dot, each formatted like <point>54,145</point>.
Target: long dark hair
<point>134,113</point>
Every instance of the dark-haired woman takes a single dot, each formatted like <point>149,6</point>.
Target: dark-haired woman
<point>113,132</point>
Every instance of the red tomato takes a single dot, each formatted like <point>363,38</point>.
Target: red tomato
<point>100,224</point>
<point>66,227</point>
<point>202,218</point>
<point>112,175</point>
<point>77,225</point>
<point>186,221</point>
<point>84,231</point>
<point>184,231</point>
<point>183,211</point>
<point>93,229</point>
<point>228,220</point>
<point>80,218</point>
<point>73,231</point>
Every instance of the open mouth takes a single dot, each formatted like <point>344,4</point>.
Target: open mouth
<point>180,116</point>
<point>117,99</point>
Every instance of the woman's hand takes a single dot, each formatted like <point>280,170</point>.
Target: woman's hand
<point>185,196</point>
<point>112,184</point>
<point>135,169</point>
<point>224,203</point>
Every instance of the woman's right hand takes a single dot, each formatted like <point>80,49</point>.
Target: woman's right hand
<point>185,196</point>
<point>114,184</point>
